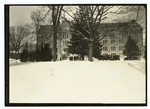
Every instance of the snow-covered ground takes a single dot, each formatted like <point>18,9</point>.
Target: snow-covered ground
<point>78,82</point>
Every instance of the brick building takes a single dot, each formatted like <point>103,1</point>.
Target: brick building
<point>113,43</point>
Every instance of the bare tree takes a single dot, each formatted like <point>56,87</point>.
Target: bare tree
<point>38,17</point>
<point>16,36</point>
<point>94,15</point>
<point>56,13</point>
<point>128,13</point>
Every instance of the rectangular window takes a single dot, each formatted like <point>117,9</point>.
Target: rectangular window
<point>65,42</point>
<point>112,35</point>
<point>104,41</point>
<point>120,40</point>
<point>112,41</point>
<point>65,49</point>
<point>105,48</point>
<point>113,54</point>
<point>67,36</point>
<point>105,53</point>
<point>136,40</point>
<point>120,53</point>
<point>113,48</point>
<point>121,47</point>
<point>64,36</point>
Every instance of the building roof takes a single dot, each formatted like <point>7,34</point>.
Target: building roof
<point>45,29</point>
<point>125,25</point>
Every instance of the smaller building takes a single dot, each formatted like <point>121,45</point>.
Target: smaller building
<point>114,42</point>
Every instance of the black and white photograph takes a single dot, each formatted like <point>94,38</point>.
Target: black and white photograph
<point>78,54</point>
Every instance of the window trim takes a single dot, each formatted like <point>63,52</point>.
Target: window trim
<point>105,40</point>
<point>113,40</point>
<point>105,49</point>
<point>112,47</point>
<point>121,41</point>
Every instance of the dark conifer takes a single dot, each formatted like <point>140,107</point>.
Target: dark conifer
<point>131,49</point>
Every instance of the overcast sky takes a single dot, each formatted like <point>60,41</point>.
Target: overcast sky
<point>20,15</point>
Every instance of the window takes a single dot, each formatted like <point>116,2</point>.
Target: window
<point>136,40</point>
<point>112,41</point>
<point>120,53</point>
<point>120,40</point>
<point>113,54</point>
<point>64,36</point>
<point>66,42</point>
<point>105,48</point>
<point>112,35</point>
<point>121,47</point>
<point>104,41</point>
<point>113,48</point>
<point>65,49</point>
<point>105,53</point>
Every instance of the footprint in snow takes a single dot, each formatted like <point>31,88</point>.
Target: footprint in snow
<point>51,71</point>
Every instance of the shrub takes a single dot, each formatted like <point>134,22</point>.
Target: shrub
<point>37,55</point>
<point>131,58</point>
<point>24,56</point>
<point>75,58</point>
<point>101,57</point>
<point>116,57</point>
<point>71,58</point>
<point>31,56</point>
<point>109,57</point>
<point>46,53</point>
<point>64,56</point>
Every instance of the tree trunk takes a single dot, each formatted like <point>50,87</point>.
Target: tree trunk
<point>90,52</point>
<point>55,45</point>
<point>59,49</point>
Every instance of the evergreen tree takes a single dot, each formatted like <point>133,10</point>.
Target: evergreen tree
<point>37,55</point>
<point>31,55</point>
<point>41,54</point>
<point>46,53</point>
<point>24,55</point>
<point>97,48</point>
<point>131,49</point>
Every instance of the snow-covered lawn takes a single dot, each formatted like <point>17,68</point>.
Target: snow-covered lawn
<point>77,82</point>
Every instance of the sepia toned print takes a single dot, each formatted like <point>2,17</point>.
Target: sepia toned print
<point>77,54</point>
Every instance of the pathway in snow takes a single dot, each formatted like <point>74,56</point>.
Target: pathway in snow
<point>76,82</point>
